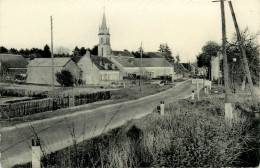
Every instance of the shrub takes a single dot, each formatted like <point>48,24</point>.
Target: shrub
<point>65,78</point>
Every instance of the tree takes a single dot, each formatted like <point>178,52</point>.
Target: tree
<point>166,52</point>
<point>237,72</point>
<point>82,51</point>
<point>94,50</point>
<point>62,51</point>
<point>76,51</point>
<point>65,78</point>
<point>209,50</point>
<point>3,50</point>
<point>13,51</point>
<point>46,52</point>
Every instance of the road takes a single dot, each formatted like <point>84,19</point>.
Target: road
<point>55,133</point>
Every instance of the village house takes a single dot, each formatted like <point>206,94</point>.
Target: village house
<point>12,66</point>
<point>98,70</point>
<point>39,70</point>
<point>151,67</point>
<point>191,68</point>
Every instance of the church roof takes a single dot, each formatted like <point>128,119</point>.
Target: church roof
<point>13,61</point>
<point>47,62</point>
<point>123,53</point>
<point>146,62</point>
<point>97,59</point>
<point>104,25</point>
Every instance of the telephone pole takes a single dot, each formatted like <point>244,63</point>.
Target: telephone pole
<point>228,106</point>
<point>224,53</point>
<point>245,62</point>
<point>141,52</point>
<point>52,62</point>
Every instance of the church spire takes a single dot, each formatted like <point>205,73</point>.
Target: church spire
<point>104,25</point>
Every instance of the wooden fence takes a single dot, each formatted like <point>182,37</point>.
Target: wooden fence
<point>90,98</point>
<point>21,109</point>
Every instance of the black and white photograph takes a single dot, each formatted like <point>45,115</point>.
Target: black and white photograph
<point>129,83</point>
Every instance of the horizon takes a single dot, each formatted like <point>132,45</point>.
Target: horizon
<point>185,26</point>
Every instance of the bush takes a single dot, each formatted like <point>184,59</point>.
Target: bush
<point>65,78</point>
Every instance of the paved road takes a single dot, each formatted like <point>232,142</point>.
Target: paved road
<point>55,132</point>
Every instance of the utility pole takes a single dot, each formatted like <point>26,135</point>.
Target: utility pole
<point>228,107</point>
<point>52,62</point>
<point>245,62</point>
<point>141,65</point>
<point>224,53</point>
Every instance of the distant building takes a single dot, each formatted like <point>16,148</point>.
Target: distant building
<point>191,68</point>
<point>39,70</point>
<point>216,72</point>
<point>151,67</point>
<point>98,70</point>
<point>202,71</point>
<point>12,66</point>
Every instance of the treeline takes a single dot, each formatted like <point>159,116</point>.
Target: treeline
<point>46,53</point>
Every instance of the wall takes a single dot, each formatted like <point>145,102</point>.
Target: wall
<point>74,69</point>
<point>90,73</point>
<point>110,75</point>
<point>41,75</point>
<point>158,71</point>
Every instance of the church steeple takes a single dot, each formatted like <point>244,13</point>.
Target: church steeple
<point>103,28</point>
<point>104,25</point>
<point>104,48</point>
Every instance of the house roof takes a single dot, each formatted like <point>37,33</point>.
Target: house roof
<point>146,62</point>
<point>188,66</point>
<point>13,61</point>
<point>123,53</point>
<point>180,67</point>
<point>97,59</point>
<point>47,62</point>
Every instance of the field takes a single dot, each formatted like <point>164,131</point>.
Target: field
<point>190,134</point>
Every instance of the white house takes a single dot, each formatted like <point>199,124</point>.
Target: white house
<point>98,70</point>
<point>216,72</point>
<point>151,67</point>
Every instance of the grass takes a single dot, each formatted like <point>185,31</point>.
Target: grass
<point>117,96</point>
<point>190,134</point>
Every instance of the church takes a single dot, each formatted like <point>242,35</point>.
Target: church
<point>109,65</point>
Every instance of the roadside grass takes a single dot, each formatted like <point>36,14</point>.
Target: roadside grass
<point>190,134</point>
<point>117,96</point>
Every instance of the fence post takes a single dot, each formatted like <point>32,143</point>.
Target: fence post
<point>162,108</point>
<point>36,153</point>
<point>228,111</point>
<point>192,95</point>
<point>198,90</point>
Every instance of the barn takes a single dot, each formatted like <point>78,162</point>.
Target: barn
<point>39,70</point>
<point>12,66</point>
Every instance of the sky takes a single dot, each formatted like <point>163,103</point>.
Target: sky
<point>185,25</point>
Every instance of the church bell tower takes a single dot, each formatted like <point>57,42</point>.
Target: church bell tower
<point>104,48</point>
